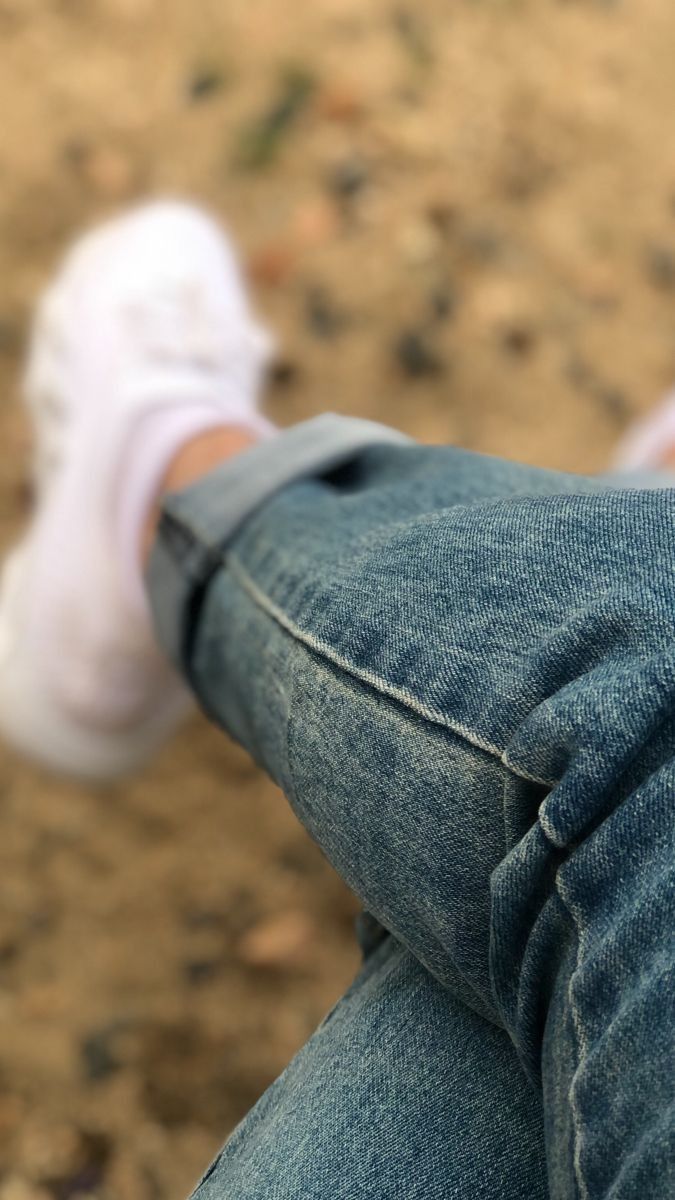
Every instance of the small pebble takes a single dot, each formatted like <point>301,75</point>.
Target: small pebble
<point>322,316</point>
<point>200,970</point>
<point>416,356</point>
<point>98,1056</point>
<point>100,1049</point>
<point>519,340</point>
<point>205,82</point>
<point>349,177</point>
<point>284,373</point>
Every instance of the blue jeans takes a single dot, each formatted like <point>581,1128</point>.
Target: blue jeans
<point>461,671</point>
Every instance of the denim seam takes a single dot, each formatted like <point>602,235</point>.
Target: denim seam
<point>582,1044</point>
<point>370,677</point>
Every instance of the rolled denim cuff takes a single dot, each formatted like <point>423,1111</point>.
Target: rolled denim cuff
<point>196,524</point>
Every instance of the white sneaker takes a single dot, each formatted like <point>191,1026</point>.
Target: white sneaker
<point>144,340</point>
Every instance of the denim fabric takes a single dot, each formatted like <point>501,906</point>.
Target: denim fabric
<point>402,1094</point>
<point>461,672</point>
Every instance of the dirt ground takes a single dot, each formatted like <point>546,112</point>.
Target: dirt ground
<point>461,219</point>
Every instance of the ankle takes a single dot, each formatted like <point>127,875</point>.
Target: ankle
<point>195,458</point>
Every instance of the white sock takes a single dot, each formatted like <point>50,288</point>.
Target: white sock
<point>157,438</point>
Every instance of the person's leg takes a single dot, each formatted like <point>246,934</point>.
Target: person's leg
<point>461,673</point>
<point>461,670</point>
<point>402,1092</point>
<point>145,346</point>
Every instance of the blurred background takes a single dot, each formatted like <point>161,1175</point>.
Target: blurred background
<point>460,217</point>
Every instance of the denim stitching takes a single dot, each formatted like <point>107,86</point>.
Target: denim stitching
<point>582,1045</point>
<point>399,694</point>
